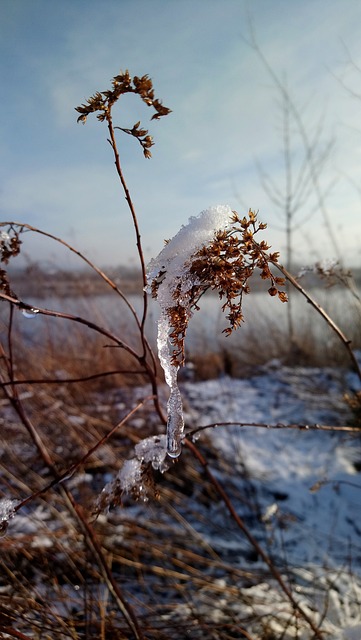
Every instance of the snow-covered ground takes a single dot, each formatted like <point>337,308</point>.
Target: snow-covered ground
<point>297,491</point>
<point>305,484</point>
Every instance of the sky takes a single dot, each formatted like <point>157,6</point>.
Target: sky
<point>264,94</point>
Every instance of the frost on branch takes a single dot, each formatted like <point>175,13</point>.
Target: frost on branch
<point>135,477</point>
<point>215,250</point>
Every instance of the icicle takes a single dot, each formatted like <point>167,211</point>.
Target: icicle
<point>175,424</point>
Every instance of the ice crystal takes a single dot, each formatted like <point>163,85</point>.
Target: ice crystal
<point>130,474</point>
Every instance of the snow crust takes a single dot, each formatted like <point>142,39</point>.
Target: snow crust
<point>170,269</point>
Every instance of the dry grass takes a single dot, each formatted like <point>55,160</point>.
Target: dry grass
<point>51,585</point>
<point>176,580</point>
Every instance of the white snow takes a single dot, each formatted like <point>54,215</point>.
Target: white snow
<point>130,475</point>
<point>305,479</point>
<point>170,263</point>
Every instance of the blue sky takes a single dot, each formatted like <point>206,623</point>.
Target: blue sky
<point>226,124</point>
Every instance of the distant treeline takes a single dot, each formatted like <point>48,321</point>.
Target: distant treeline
<point>36,281</point>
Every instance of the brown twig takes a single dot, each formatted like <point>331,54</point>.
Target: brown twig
<point>148,369</point>
<point>129,200</point>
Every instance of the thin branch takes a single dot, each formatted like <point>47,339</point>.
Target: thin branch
<point>91,264</point>
<point>278,425</point>
<point>88,532</point>
<point>24,306</point>
<point>95,376</point>
<point>309,150</point>
<point>148,369</point>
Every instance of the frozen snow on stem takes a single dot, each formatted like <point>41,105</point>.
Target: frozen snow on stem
<point>7,511</point>
<point>170,270</point>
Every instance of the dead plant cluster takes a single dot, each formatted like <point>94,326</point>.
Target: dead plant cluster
<point>122,84</point>
<point>226,266</point>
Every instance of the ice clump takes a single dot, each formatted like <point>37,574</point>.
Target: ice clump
<point>133,477</point>
<point>168,269</point>
<point>130,474</point>
<point>152,450</point>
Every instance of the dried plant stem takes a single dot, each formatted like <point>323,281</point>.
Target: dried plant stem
<point>345,341</point>
<point>94,376</point>
<point>91,264</point>
<point>92,542</point>
<point>140,323</point>
<point>66,475</point>
<point>87,529</point>
<point>266,559</point>
<point>129,200</point>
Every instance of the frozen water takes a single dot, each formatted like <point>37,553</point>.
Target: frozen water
<point>130,475</point>
<point>30,313</point>
<point>152,450</point>
<point>7,511</point>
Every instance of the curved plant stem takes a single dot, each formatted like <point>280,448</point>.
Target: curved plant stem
<point>140,324</point>
<point>129,200</point>
<point>66,475</point>
<point>279,425</point>
<point>91,264</point>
